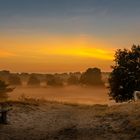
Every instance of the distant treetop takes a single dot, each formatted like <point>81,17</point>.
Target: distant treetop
<point>92,77</point>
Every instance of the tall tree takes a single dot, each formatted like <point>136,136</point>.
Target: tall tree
<point>125,76</point>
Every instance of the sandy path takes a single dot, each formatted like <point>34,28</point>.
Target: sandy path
<point>56,121</point>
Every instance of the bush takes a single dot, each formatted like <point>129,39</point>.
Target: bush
<point>14,80</point>
<point>54,81</point>
<point>33,81</point>
<point>73,80</point>
<point>91,77</point>
<point>4,89</point>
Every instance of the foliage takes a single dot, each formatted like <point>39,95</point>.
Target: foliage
<point>73,80</point>
<point>14,80</point>
<point>33,81</point>
<point>125,77</point>
<point>4,88</point>
<point>54,80</point>
<point>4,75</point>
<point>91,77</point>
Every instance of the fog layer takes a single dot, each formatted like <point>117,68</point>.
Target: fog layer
<point>70,94</point>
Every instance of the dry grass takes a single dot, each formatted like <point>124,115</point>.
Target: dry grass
<point>36,119</point>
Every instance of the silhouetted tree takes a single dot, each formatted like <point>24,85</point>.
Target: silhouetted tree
<point>5,72</point>
<point>54,80</point>
<point>4,75</point>
<point>14,80</point>
<point>4,89</point>
<point>73,80</point>
<point>92,77</point>
<point>125,77</point>
<point>33,81</point>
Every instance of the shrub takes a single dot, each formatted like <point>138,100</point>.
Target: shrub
<point>14,80</point>
<point>92,77</point>
<point>33,81</point>
<point>54,81</point>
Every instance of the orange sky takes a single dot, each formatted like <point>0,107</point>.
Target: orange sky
<point>52,53</point>
<point>67,35</point>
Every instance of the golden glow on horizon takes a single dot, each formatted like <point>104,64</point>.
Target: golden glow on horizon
<point>71,52</point>
<point>80,52</point>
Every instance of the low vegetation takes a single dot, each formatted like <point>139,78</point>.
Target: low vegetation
<point>4,89</point>
<point>33,81</point>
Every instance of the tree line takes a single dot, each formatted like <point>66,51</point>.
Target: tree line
<point>91,77</point>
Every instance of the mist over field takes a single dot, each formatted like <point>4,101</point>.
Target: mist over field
<point>88,87</point>
<point>70,94</point>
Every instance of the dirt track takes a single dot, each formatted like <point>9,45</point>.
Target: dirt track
<point>56,121</point>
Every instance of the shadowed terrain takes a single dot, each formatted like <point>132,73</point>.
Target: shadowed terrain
<point>40,120</point>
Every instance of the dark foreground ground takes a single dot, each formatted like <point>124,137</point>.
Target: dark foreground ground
<point>32,120</point>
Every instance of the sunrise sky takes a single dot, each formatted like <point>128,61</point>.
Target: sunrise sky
<point>65,35</point>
